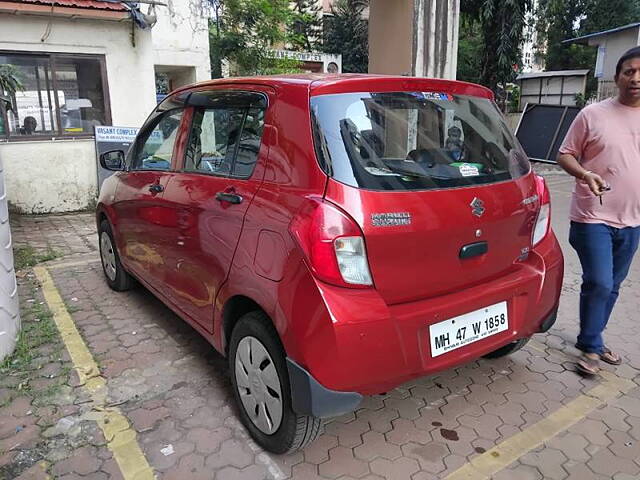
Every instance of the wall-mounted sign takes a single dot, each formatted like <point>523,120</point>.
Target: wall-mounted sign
<point>301,56</point>
<point>110,138</point>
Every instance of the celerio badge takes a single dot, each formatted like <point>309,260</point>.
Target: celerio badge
<point>390,219</point>
<point>477,207</point>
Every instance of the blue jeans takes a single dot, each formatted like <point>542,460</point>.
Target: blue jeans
<point>605,255</point>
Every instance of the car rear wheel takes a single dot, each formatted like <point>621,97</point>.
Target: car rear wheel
<point>117,277</point>
<point>508,349</point>
<point>261,387</point>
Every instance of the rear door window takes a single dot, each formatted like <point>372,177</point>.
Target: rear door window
<point>212,142</point>
<point>414,140</point>
<point>225,139</point>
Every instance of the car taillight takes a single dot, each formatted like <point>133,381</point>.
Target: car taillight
<point>543,220</point>
<point>333,245</point>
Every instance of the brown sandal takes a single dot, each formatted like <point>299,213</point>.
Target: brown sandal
<point>587,365</point>
<point>609,357</point>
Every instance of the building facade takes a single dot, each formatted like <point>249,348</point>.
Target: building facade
<point>532,52</point>
<point>611,45</point>
<point>552,88</point>
<point>84,63</point>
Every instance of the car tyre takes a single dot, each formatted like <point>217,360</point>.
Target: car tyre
<point>508,349</point>
<point>117,277</point>
<point>261,387</point>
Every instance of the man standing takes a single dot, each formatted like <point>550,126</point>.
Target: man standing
<point>602,150</point>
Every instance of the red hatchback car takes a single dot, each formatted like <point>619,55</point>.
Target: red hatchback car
<point>334,236</point>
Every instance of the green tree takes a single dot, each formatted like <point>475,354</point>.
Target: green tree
<point>307,25</point>
<point>560,20</point>
<point>10,80</point>
<point>469,49</point>
<point>501,24</point>
<point>602,15</point>
<point>346,33</point>
<point>10,83</point>
<point>244,34</point>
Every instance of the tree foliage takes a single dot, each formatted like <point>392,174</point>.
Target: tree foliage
<point>602,15</point>
<point>559,20</point>
<point>469,50</point>
<point>556,22</point>
<point>10,80</point>
<point>346,33</point>
<point>244,34</point>
<point>501,25</point>
<point>307,26</point>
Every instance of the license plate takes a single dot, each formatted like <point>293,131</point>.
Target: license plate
<point>459,331</point>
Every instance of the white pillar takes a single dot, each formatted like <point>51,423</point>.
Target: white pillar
<point>435,38</point>
<point>9,307</point>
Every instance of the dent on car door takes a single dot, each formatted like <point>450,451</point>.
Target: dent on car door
<point>144,220</point>
<point>211,196</point>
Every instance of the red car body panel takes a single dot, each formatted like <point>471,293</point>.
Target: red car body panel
<point>366,340</point>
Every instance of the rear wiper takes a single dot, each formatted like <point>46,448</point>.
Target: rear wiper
<point>405,168</point>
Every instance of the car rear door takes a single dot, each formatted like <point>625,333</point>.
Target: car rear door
<point>143,220</point>
<point>222,169</point>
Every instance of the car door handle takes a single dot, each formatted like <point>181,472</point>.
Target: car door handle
<point>229,197</point>
<point>156,188</point>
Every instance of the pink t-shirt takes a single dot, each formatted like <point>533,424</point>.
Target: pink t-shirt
<point>605,138</point>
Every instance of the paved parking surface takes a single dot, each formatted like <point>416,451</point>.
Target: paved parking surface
<point>525,417</point>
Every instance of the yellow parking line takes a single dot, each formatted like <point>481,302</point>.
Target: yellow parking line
<point>121,438</point>
<point>492,461</point>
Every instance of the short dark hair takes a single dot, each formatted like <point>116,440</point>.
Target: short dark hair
<point>629,54</point>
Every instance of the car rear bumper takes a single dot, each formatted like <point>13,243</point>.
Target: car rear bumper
<point>364,345</point>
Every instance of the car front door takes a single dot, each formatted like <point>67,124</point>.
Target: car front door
<point>143,220</point>
<point>222,170</point>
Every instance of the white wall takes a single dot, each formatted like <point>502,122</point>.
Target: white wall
<point>328,58</point>
<point>181,37</point>
<point>130,71</point>
<point>57,176</point>
<point>553,91</point>
<point>615,46</point>
<point>45,177</point>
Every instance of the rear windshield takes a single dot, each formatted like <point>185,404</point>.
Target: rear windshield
<point>414,140</point>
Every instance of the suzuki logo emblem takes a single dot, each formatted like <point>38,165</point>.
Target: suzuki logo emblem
<point>477,207</point>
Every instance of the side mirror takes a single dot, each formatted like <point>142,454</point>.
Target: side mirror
<point>113,160</point>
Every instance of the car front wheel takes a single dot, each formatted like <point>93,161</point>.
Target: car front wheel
<point>117,277</point>
<point>261,387</point>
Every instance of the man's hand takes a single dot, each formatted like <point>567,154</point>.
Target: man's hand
<point>571,165</point>
<point>596,184</point>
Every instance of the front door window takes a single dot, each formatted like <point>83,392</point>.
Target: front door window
<point>155,151</point>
